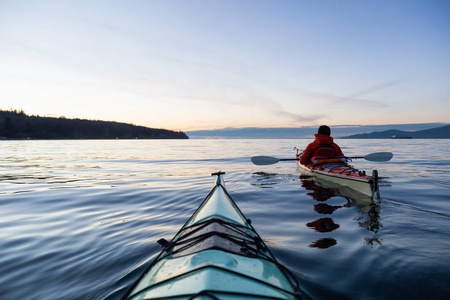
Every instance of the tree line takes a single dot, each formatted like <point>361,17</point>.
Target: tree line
<point>16,124</point>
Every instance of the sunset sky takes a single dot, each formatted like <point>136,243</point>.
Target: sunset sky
<point>208,64</point>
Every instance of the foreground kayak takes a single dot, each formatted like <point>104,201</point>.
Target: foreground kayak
<point>217,254</point>
<point>341,175</point>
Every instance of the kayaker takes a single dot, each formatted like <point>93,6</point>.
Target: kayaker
<point>323,146</point>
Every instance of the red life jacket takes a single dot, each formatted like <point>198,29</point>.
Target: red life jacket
<point>322,156</point>
<point>324,152</point>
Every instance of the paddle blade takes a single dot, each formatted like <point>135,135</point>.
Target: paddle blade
<point>379,156</point>
<point>264,160</point>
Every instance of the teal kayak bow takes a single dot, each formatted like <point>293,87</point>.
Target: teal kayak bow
<point>217,254</point>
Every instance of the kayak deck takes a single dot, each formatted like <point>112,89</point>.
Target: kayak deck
<point>217,254</point>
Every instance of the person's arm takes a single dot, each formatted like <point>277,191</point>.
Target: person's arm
<point>305,158</point>
<point>337,150</point>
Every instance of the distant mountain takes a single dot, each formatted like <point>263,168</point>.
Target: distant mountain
<point>18,125</point>
<point>301,132</point>
<point>433,133</point>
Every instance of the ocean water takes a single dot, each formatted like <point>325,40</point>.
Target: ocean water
<point>80,219</point>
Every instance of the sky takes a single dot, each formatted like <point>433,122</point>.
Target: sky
<point>211,64</point>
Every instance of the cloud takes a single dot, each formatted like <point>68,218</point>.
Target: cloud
<point>297,117</point>
<point>376,88</point>
<point>353,99</point>
<point>337,100</point>
<point>246,98</point>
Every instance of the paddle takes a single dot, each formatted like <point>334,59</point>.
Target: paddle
<point>377,156</point>
<point>269,160</point>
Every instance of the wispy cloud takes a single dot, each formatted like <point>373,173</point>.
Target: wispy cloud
<point>346,100</point>
<point>374,89</point>
<point>259,103</point>
<point>297,117</point>
<point>353,99</point>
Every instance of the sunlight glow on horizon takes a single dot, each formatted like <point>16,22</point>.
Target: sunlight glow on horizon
<point>215,64</point>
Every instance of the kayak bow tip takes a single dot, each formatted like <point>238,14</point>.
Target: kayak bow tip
<point>217,173</point>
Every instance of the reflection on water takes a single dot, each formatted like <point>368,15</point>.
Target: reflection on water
<point>268,180</point>
<point>370,219</point>
<point>323,243</point>
<point>325,209</point>
<point>323,225</point>
<point>368,212</point>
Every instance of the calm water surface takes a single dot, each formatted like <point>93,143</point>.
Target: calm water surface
<point>80,219</point>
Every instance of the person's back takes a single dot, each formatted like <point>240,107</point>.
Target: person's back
<point>322,147</point>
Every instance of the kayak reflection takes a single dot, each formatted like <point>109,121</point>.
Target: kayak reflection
<point>323,225</point>
<point>325,209</point>
<point>368,212</point>
<point>323,243</point>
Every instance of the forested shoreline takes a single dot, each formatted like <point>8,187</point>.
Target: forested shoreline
<point>15,124</point>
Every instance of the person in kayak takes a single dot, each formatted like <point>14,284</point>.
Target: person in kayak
<point>323,147</point>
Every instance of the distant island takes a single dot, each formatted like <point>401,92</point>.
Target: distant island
<point>433,133</point>
<point>16,124</point>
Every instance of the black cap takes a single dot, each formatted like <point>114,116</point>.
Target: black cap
<point>325,130</point>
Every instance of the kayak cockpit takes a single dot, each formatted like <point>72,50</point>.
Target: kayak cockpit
<point>217,234</point>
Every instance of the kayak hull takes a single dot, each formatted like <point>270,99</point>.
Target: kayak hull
<point>217,254</point>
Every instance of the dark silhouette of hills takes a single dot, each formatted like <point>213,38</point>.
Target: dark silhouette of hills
<point>18,125</point>
<point>433,133</point>
<point>337,131</point>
